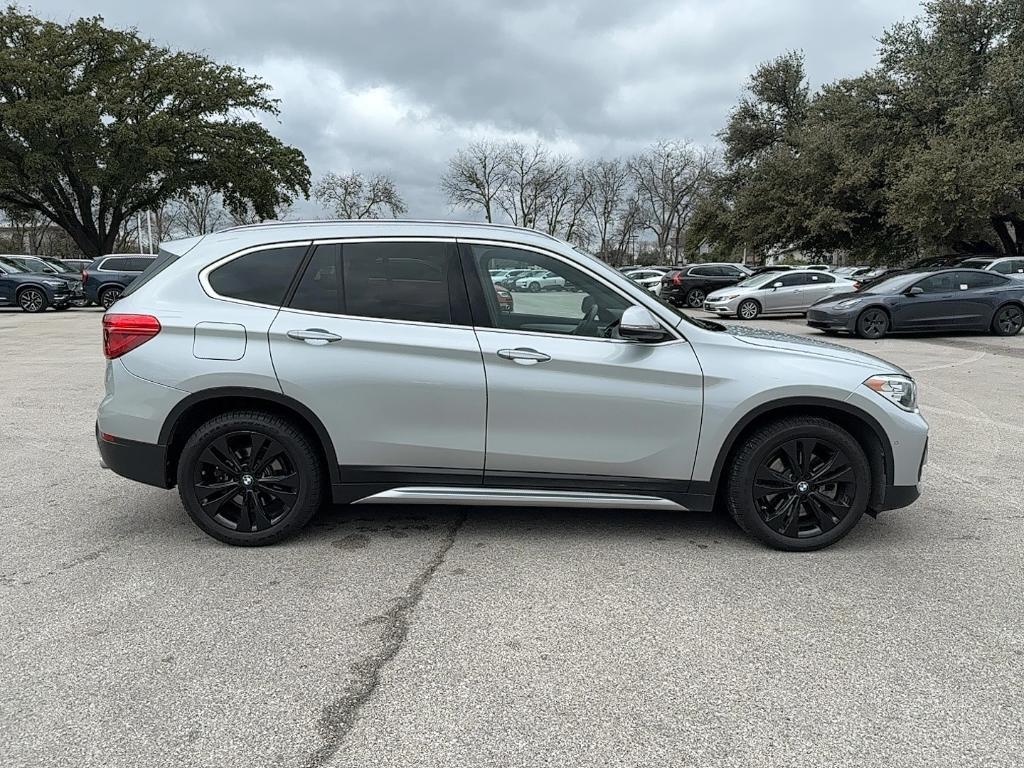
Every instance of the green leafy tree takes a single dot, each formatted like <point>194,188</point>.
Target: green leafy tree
<point>97,124</point>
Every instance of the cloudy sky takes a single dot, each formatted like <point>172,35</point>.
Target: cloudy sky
<point>395,86</point>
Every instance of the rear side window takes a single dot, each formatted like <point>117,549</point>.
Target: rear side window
<point>319,290</point>
<point>261,277</point>
<point>822,278</point>
<point>704,271</point>
<point>982,279</point>
<point>156,266</point>
<point>113,264</point>
<point>399,281</point>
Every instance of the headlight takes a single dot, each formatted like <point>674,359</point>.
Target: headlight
<point>899,389</point>
<point>848,303</point>
<point>54,283</point>
<point>730,297</point>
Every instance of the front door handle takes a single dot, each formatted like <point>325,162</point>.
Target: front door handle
<point>524,355</point>
<point>314,336</point>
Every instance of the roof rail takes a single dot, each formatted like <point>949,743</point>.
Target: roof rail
<point>308,222</point>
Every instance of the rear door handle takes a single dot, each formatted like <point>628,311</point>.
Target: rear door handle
<point>524,355</point>
<point>314,336</point>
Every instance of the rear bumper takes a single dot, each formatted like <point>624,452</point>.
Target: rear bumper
<point>142,462</point>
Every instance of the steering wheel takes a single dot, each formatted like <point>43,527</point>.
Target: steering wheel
<point>589,324</point>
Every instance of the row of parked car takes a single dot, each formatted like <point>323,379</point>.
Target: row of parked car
<point>934,294</point>
<point>36,283</point>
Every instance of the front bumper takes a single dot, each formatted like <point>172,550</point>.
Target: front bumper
<point>719,307</point>
<point>832,319</point>
<point>142,462</point>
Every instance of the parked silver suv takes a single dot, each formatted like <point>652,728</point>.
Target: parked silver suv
<point>268,368</point>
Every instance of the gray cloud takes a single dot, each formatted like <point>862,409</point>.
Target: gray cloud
<point>398,85</point>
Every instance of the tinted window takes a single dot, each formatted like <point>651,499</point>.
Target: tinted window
<point>821,279</point>
<point>156,266</point>
<point>981,279</point>
<point>944,282</point>
<point>1003,267</point>
<point>731,271</point>
<point>399,281</point>
<point>704,271</point>
<point>790,280</point>
<point>319,290</point>
<point>260,276</point>
<point>113,265</point>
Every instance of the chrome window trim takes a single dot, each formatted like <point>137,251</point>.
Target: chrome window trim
<point>208,289</point>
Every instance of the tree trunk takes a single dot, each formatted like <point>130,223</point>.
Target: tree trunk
<point>1003,228</point>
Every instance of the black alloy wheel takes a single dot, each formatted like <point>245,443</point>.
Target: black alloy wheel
<point>695,297</point>
<point>249,478</point>
<point>798,484</point>
<point>1008,320</point>
<point>32,300</point>
<point>109,296</point>
<point>804,487</point>
<point>748,310</point>
<point>873,323</point>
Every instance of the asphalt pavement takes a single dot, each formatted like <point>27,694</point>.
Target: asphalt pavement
<point>414,636</point>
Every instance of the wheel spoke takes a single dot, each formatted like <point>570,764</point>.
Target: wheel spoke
<point>807,446</point>
<point>212,502</point>
<point>836,470</point>
<point>835,507</point>
<point>779,519</point>
<point>826,520</point>
<point>269,450</point>
<point>221,455</point>
<point>244,521</point>
<point>259,513</point>
<point>768,481</point>
<point>206,490</point>
<point>791,458</point>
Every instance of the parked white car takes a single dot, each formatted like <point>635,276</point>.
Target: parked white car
<point>647,278</point>
<point>541,280</point>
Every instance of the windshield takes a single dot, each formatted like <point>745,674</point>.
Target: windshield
<point>758,280</point>
<point>893,284</point>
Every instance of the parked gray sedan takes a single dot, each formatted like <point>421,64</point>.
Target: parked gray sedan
<point>790,292</point>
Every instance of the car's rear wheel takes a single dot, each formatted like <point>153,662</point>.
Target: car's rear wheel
<point>748,310</point>
<point>108,296</point>
<point>250,478</point>
<point>695,297</point>
<point>798,484</point>
<point>873,323</point>
<point>1008,320</point>
<point>32,300</point>
<point>534,287</point>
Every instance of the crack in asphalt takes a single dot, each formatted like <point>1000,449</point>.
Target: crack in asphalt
<point>339,716</point>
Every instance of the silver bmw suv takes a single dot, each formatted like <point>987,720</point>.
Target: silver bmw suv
<point>267,369</point>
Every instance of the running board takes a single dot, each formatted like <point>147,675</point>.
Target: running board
<point>516,497</point>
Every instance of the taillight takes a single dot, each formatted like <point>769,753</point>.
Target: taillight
<point>85,275</point>
<point>677,279</point>
<point>123,333</point>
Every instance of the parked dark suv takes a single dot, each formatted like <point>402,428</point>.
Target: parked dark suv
<point>106,278</point>
<point>32,291</point>
<point>690,285</point>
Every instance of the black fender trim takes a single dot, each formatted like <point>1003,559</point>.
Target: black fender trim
<point>167,431</point>
<point>711,487</point>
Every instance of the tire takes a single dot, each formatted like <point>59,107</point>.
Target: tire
<point>815,505</point>
<point>873,323</point>
<point>32,300</point>
<point>695,298</point>
<point>534,287</point>
<point>241,507</point>
<point>109,295</point>
<point>748,310</point>
<point>1007,320</point>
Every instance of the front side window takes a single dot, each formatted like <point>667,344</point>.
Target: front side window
<point>574,303</point>
<point>944,282</point>
<point>261,277</point>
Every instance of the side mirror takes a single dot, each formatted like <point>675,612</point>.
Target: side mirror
<point>914,290</point>
<point>776,286</point>
<point>638,324</point>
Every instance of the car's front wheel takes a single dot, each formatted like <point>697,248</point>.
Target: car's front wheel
<point>873,323</point>
<point>798,484</point>
<point>250,478</point>
<point>748,310</point>
<point>32,300</point>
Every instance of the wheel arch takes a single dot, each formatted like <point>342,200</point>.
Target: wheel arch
<point>864,428</point>
<point>199,407</point>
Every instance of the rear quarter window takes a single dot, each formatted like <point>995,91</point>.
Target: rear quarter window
<point>261,276</point>
<point>154,267</point>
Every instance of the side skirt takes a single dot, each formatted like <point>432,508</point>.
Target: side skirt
<point>516,497</point>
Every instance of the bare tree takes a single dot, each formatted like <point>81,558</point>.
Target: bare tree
<point>532,173</point>
<point>609,182</point>
<point>562,206</point>
<point>355,197</point>
<point>668,177</point>
<point>201,211</point>
<point>475,177</point>
<point>629,224</point>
